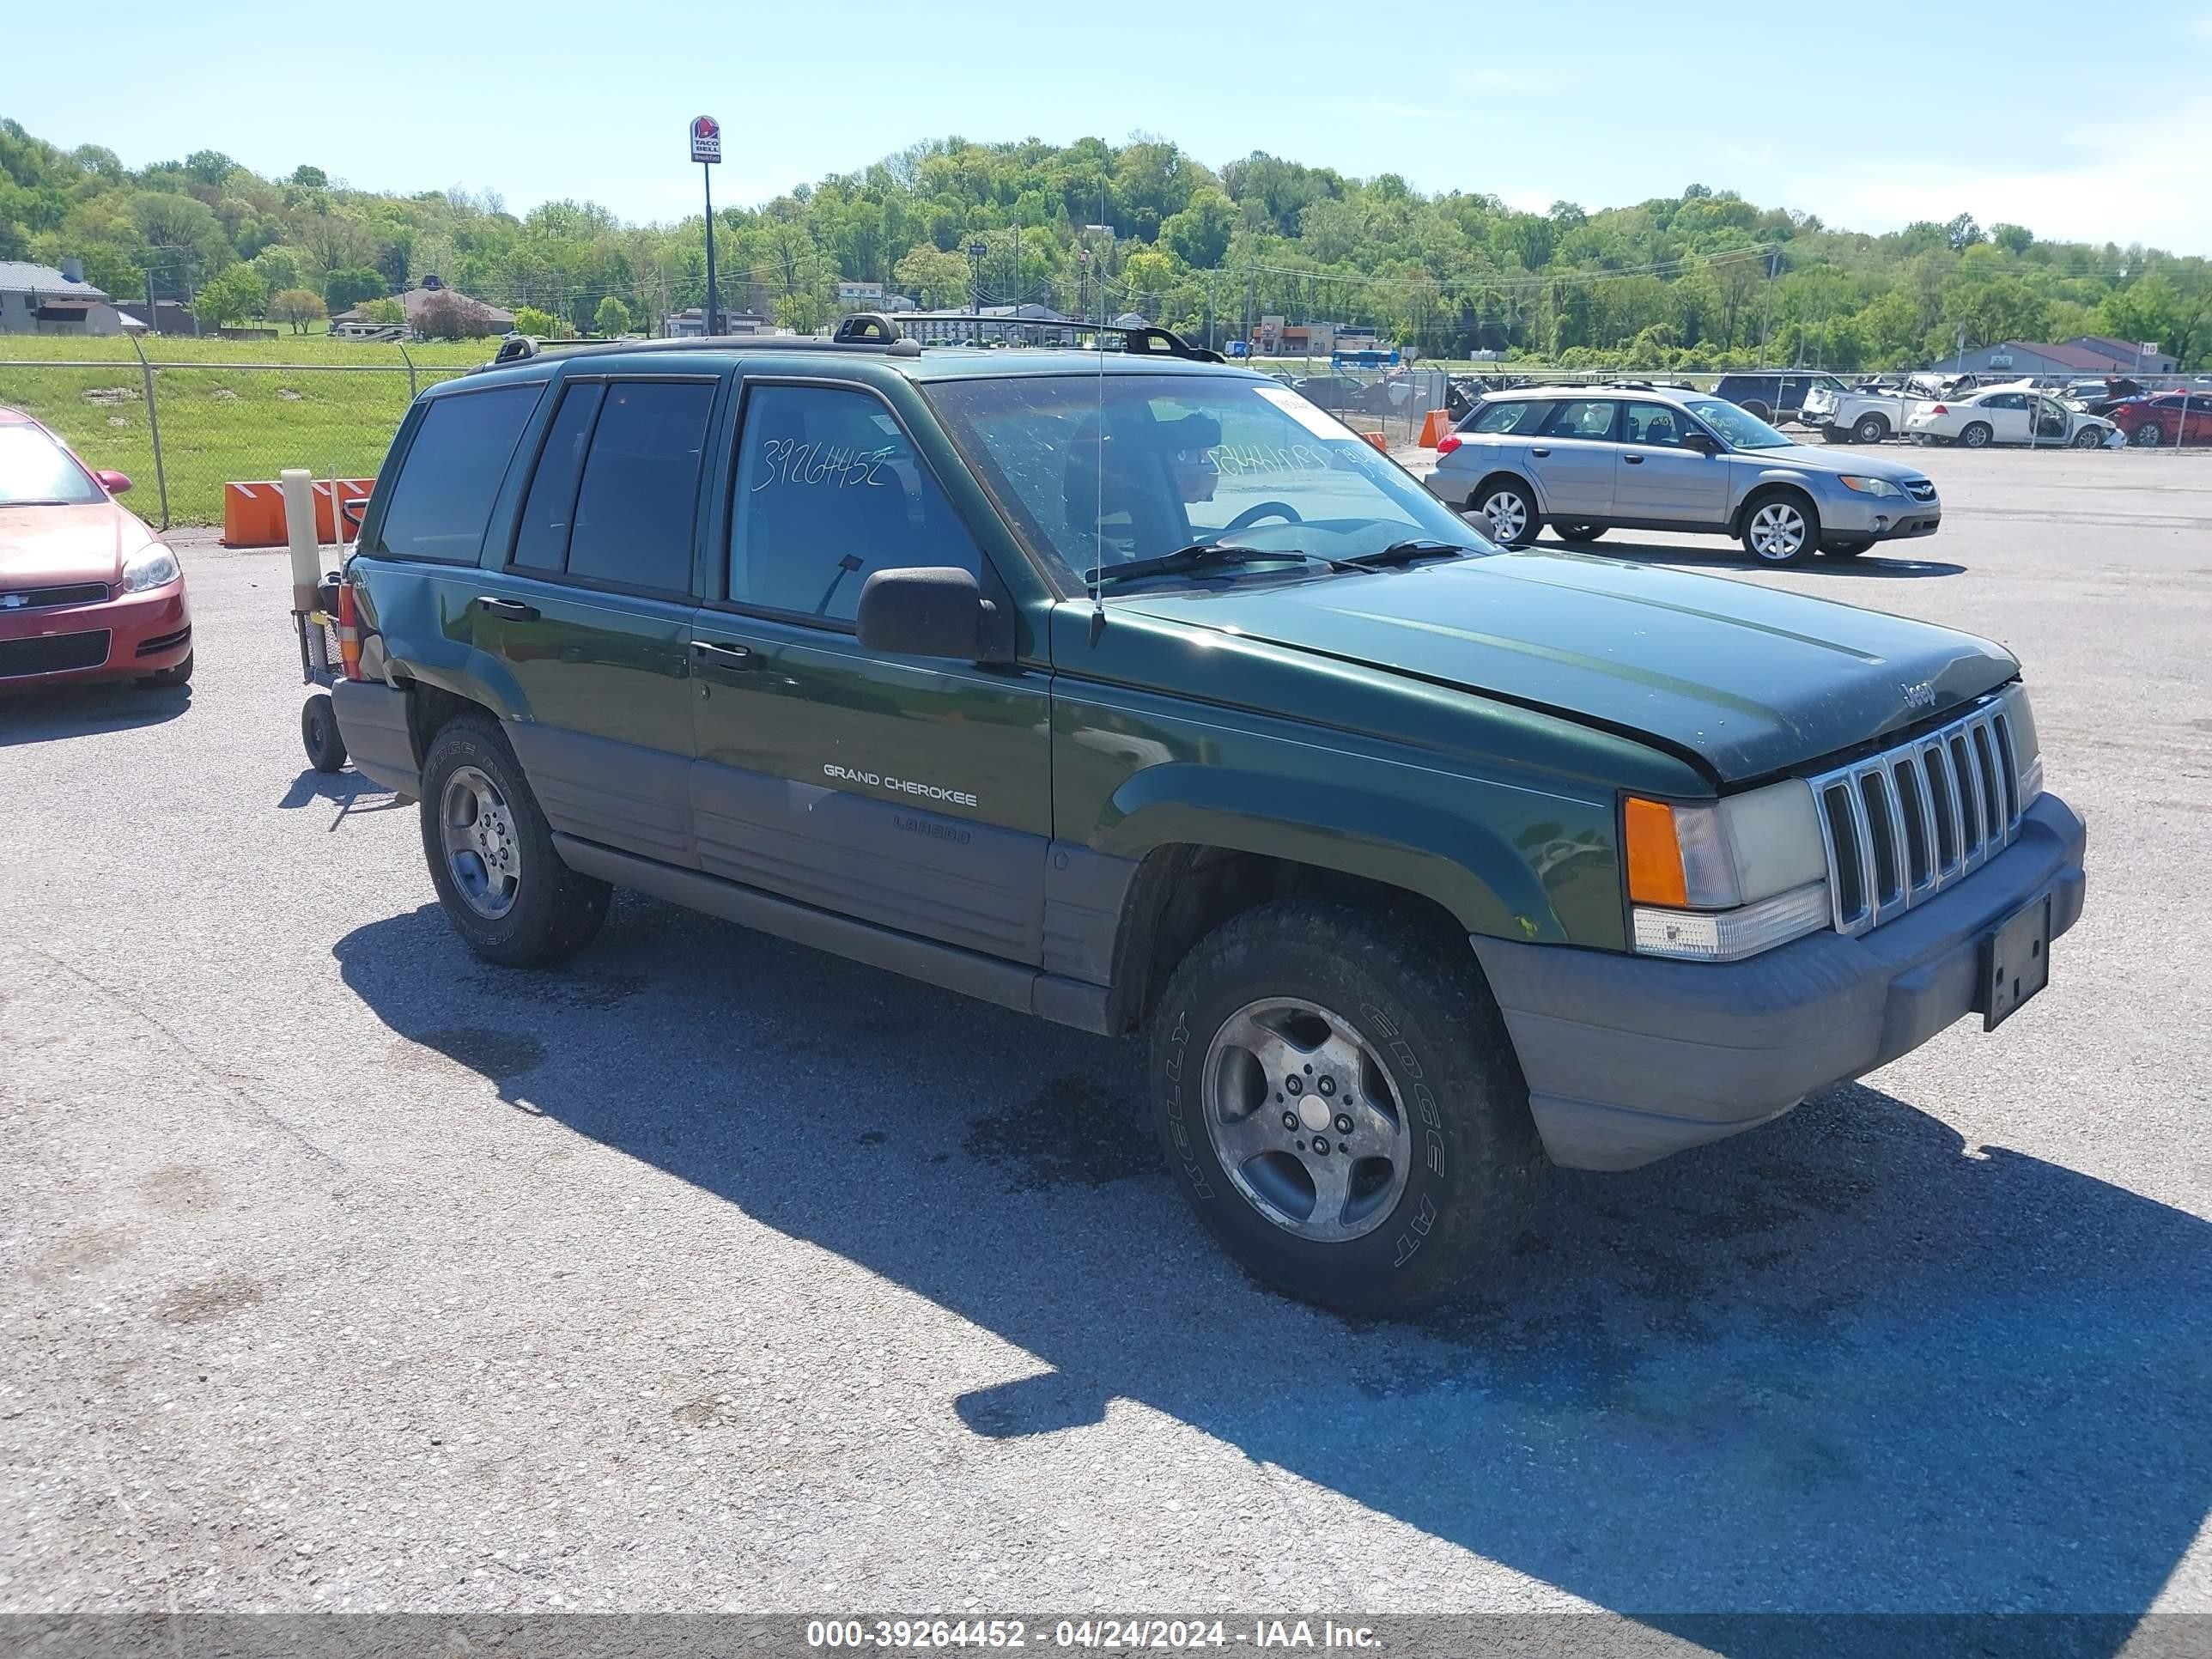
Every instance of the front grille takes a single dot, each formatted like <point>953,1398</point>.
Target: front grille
<point>1921,489</point>
<point>1906,823</point>
<point>40,598</point>
<point>56,654</point>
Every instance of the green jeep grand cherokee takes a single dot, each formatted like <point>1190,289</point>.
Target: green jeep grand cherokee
<point>1131,689</point>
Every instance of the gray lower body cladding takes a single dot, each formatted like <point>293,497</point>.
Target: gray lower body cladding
<point>1630,1058</point>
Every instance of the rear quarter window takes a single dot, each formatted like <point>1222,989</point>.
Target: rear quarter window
<point>451,474</point>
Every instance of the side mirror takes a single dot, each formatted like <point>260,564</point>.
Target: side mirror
<point>1701,441</point>
<point>927,610</point>
<point>113,483</point>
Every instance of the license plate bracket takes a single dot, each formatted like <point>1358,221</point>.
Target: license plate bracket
<point>2015,963</point>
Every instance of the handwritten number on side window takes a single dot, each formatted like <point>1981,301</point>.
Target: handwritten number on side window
<point>830,467</point>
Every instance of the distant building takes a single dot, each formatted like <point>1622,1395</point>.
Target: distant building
<point>162,317</point>
<point>988,324</point>
<point>40,299</point>
<point>2086,355</point>
<point>691,324</point>
<point>417,300</point>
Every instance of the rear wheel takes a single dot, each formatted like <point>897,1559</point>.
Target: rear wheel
<point>1579,532</point>
<point>1759,409</point>
<point>1781,530</point>
<point>502,886</point>
<point>1975,436</point>
<point>1337,1097</point>
<point>1871,429</point>
<point>1507,512</point>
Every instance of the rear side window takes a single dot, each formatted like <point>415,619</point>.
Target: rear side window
<point>1499,418</point>
<point>640,491</point>
<point>1581,417</point>
<point>541,542</point>
<point>441,501</point>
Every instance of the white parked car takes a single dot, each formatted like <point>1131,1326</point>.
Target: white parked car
<point>2015,414</point>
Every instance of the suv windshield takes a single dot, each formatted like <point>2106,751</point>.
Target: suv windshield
<point>1098,471</point>
<point>1740,427</point>
<point>36,471</point>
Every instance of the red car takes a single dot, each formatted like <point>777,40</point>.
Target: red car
<point>2160,419</point>
<point>86,593</point>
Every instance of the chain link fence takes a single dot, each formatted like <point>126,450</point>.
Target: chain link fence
<point>181,430</point>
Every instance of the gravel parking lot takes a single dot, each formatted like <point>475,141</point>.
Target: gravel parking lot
<point>341,1271</point>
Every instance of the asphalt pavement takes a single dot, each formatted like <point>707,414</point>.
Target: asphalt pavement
<point>339,1270</point>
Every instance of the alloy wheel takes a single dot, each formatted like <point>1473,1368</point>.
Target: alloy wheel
<point>1305,1119</point>
<point>1778,531</point>
<point>484,855</point>
<point>1507,516</point>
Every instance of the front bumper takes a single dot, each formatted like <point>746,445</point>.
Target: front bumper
<point>1847,513</point>
<point>145,634</point>
<point>1630,1058</point>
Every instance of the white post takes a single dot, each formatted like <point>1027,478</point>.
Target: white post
<point>299,485</point>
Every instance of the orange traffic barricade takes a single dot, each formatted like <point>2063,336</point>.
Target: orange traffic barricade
<point>253,512</point>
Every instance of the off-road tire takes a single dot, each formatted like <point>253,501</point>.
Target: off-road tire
<point>1414,992</point>
<point>555,912</point>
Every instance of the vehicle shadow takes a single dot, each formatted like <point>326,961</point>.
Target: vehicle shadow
<point>74,711</point>
<point>1846,1364</point>
<point>1730,558</point>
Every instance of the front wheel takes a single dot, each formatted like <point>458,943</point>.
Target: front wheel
<point>1507,513</point>
<point>1975,436</point>
<point>1781,530</point>
<point>2088,438</point>
<point>502,885</point>
<point>1579,533</point>
<point>2149,435</point>
<point>1336,1094</point>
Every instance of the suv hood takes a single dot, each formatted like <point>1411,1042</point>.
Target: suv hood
<point>1747,679</point>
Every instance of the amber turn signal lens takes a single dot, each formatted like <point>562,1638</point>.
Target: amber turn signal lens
<point>1655,857</point>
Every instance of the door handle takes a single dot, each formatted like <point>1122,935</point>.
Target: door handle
<point>513,610</point>
<point>1634,460</point>
<point>1539,453</point>
<point>715,654</point>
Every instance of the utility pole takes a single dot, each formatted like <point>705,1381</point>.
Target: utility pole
<point>976,250</point>
<point>1210,276</point>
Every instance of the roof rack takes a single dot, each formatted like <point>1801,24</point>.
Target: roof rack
<point>862,331</point>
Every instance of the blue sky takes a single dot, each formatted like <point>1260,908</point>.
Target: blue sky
<point>2078,121</point>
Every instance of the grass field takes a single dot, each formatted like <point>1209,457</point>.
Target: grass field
<point>228,410</point>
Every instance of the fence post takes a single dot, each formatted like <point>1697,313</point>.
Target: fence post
<point>152,424</point>
<point>402,344</point>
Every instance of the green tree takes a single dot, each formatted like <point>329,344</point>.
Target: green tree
<point>612,318</point>
<point>344,289</point>
<point>298,307</point>
<point>232,297</point>
<point>539,324</point>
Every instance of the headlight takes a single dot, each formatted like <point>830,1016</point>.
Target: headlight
<point>2027,747</point>
<point>154,566</point>
<point>1721,880</point>
<point>1868,486</point>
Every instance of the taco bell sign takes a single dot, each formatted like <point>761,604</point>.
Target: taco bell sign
<point>705,139</point>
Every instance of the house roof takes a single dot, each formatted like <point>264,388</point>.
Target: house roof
<point>20,277</point>
<point>415,300</point>
<point>2124,352</point>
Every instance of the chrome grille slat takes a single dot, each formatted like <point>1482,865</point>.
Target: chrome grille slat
<point>1959,786</point>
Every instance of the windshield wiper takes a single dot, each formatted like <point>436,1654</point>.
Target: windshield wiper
<point>1198,556</point>
<point>1403,552</point>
